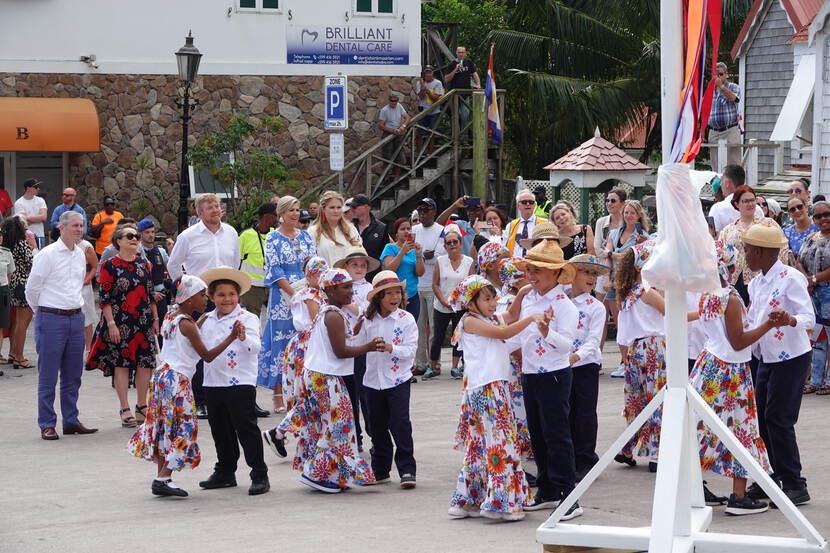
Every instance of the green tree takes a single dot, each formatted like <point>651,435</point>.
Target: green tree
<point>574,65</point>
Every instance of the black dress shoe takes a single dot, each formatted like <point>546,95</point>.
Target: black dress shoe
<point>798,496</point>
<point>625,460</point>
<point>259,486</point>
<point>652,466</point>
<point>78,429</point>
<point>201,412</point>
<point>216,481</point>
<point>164,488</point>
<point>260,412</point>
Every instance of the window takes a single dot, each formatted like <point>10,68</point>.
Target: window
<point>374,7</point>
<point>202,181</point>
<point>260,6</point>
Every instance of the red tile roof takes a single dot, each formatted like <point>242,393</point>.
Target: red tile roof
<point>597,154</point>
<point>800,13</point>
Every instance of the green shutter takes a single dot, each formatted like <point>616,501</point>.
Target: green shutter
<point>270,4</point>
<point>385,6</point>
<point>364,6</point>
<point>247,3</point>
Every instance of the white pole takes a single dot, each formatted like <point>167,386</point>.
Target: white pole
<point>671,512</point>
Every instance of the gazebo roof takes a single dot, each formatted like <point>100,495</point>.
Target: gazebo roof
<point>597,154</point>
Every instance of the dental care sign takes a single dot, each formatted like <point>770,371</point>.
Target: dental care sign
<point>347,45</point>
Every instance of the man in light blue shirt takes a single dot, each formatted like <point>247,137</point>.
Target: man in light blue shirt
<point>68,197</point>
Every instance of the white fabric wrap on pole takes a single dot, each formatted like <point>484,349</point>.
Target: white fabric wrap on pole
<point>684,255</point>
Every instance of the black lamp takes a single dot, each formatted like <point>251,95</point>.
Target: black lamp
<point>187,58</point>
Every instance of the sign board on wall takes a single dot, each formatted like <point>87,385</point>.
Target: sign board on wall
<point>335,90</point>
<point>347,45</point>
<point>336,153</point>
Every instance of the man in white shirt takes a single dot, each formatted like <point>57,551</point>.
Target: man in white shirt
<point>546,371</point>
<point>522,226</point>
<point>723,212</point>
<point>33,207</point>
<point>785,355</point>
<point>428,235</point>
<point>208,244</point>
<point>53,291</point>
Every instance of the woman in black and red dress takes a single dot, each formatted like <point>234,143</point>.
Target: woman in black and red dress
<point>124,339</point>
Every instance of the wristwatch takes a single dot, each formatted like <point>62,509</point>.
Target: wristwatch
<point>813,279</point>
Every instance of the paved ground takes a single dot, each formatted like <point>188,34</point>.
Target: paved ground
<point>85,494</point>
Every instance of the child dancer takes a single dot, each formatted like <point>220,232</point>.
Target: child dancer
<point>168,434</point>
<point>722,378</point>
<point>230,383</point>
<point>546,371</point>
<point>357,263</point>
<point>327,449</point>
<point>586,360</point>
<point>388,375</point>
<point>640,332</point>
<point>491,482</point>
<point>305,305</point>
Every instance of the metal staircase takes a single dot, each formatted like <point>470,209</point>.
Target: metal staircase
<point>392,184</point>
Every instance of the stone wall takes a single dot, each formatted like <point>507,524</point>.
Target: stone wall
<point>139,120</point>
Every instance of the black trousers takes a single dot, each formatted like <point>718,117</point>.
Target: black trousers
<point>232,422</point>
<point>389,416</point>
<point>359,372</point>
<point>583,416</point>
<point>778,392</point>
<point>441,322</point>
<point>199,376</point>
<point>351,388</point>
<point>547,402</point>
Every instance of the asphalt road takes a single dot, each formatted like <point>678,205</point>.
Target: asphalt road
<point>86,494</point>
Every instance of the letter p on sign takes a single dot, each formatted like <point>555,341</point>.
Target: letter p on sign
<point>337,108</point>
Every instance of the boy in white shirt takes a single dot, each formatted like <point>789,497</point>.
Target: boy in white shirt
<point>357,263</point>
<point>230,382</point>
<point>546,371</point>
<point>586,361</point>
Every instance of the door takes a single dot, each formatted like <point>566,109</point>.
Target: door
<point>44,166</point>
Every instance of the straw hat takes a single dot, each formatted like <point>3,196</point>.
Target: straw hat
<point>588,262</point>
<point>545,231</point>
<point>384,280</point>
<point>548,255</point>
<point>765,237</point>
<point>358,252</point>
<point>227,273</point>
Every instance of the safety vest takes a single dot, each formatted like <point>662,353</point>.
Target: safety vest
<point>513,230</point>
<point>542,211</point>
<point>252,254</point>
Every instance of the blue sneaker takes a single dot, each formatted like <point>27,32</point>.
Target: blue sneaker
<point>429,374</point>
<point>325,487</point>
<point>456,373</point>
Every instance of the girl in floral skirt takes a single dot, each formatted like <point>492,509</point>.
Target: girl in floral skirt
<point>491,482</point>
<point>305,305</point>
<point>327,448</point>
<point>640,332</point>
<point>721,376</point>
<point>168,434</point>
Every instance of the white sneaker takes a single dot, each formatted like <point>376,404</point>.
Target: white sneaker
<point>461,512</point>
<point>619,372</point>
<point>513,517</point>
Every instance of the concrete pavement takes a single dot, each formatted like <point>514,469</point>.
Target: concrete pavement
<point>86,494</point>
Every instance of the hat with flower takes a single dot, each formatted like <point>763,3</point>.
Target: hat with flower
<point>333,277</point>
<point>490,253</point>
<point>509,273</point>
<point>316,265</point>
<point>188,287</point>
<point>466,290</point>
<point>642,253</point>
<point>727,256</point>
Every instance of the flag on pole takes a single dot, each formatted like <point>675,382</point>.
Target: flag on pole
<point>493,120</point>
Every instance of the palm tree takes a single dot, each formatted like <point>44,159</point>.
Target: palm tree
<point>574,65</point>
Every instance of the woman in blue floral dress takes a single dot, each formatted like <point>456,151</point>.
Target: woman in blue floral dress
<point>802,226</point>
<point>285,250</point>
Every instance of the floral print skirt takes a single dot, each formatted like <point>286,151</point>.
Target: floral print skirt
<point>728,389</point>
<point>517,401</point>
<point>645,375</point>
<point>491,478</point>
<point>170,428</point>
<point>326,444</point>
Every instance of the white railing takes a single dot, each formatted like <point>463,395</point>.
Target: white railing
<point>749,157</point>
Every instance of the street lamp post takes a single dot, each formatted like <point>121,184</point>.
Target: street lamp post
<point>187,58</point>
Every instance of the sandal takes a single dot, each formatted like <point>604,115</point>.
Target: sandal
<point>20,363</point>
<point>140,413</point>
<point>823,391</point>
<point>4,361</point>
<point>278,409</point>
<point>127,422</point>
<point>809,389</point>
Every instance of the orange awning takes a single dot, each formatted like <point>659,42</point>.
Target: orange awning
<point>48,125</point>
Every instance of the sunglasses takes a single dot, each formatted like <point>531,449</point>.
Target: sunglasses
<point>392,100</point>
<point>762,204</point>
<point>792,191</point>
<point>795,208</point>
<point>720,73</point>
<point>452,242</point>
<point>130,236</point>
<point>109,203</point>
<point>527,202</point>
<point>821,215</point>
<point>424,208</point>
<point>611,200</point>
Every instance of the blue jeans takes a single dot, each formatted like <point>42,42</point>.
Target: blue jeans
<point>59,340</point>
<point>821,302</point>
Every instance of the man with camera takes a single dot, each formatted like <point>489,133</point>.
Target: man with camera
<point>723,119</point>
<point>461,73</point>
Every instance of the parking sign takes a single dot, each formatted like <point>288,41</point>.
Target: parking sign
<point>337,103</point>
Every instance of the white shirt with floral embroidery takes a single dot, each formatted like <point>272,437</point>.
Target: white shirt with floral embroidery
<point>237,365</point>
<point>386,370</point>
